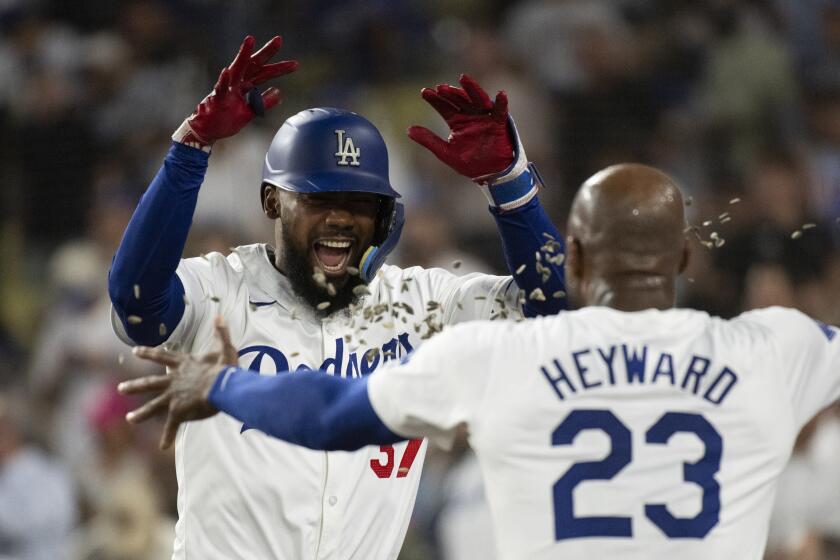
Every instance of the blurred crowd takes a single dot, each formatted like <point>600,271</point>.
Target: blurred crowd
<point>738,99</point>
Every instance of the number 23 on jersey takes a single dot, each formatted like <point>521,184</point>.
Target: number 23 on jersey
<point>702,473</point>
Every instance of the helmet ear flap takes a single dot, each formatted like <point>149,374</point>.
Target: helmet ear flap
<point>383,219</point>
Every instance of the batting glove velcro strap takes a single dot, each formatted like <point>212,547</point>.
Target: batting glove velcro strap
<point>186,135</point>
<point>516,185</point>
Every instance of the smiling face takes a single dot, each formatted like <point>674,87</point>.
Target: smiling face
<point>326,232</point>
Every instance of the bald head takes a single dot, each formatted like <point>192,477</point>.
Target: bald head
<point>626,239</point>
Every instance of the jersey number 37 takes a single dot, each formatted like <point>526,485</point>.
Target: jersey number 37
<point>702,473</point>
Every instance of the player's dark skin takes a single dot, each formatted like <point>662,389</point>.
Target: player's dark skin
<point>626,245</point>
<point>306,218</point>
<point>626,241</point>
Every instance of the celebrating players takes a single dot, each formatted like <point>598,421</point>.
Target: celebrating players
<point>320,298</point>
<point>623,430</point>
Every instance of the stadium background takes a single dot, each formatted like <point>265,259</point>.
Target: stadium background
<point>739,100</point>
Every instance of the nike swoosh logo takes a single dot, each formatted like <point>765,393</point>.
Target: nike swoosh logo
<point>261,303</point>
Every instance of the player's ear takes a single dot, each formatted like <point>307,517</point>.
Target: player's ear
<point>270,201</point>
<point>686,257</point>
<point>574,258</point>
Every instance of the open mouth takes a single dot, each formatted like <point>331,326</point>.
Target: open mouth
<point>333,254</point>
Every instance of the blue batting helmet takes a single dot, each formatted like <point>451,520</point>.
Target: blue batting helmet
<point>333,150</point>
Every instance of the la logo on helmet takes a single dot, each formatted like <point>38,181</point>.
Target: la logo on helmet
<point>346,149</point>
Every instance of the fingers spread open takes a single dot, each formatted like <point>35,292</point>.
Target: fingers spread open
<point>475,92</point>
<point>456,96</point>
<point>439,147</point>
<point>240,63</point>
<point>228,351</point>
<point>271,97</point>
<point>144,384</point>
<point>222,84</point>
<point>157,405</point>
<point>441,105</point>
<point>158,355</point>
<point>270,71</point>
<point>170,430</point>
<point>267,51</point>
<point>500,107</point>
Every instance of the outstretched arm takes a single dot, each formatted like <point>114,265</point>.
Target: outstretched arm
<point>484,145</point>
<point>312,409</point>
<point>146,294</point>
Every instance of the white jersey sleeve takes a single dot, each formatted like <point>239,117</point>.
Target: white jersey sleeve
<point>211,286</point>
<point>469,297</point>
<point>440,388</point>
<point>808,356</point>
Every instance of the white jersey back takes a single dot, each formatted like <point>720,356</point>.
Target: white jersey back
<point>602,434</point>
<point>244,495</point>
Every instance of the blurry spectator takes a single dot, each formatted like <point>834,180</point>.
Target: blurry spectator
<point>782,229</point>
<point>824,119</point>
<point>116,457</point>
<point>37,501</point>
<point>548,36</point>
<point>749,87</point>
<point>129,525</point>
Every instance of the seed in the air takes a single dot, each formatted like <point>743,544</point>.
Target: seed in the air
<point>456,264</point>
<point>735,201</point>
<point>294,354</point>
<point>134,319</point>
<point>796,234</point>
<point>121,359</point>
<point>689,201</point>
<point>521,269</point>
<point>352,271</point>
<point>361,290</point>
<point>558,294</point>
<point>707,223</point>
<point>331,289</point>
<point>537,295</point>
<point>214,299</point>
<point>323,305</point>
<point>162,329</point>
<point>808,226</point>
<point>136,291</point>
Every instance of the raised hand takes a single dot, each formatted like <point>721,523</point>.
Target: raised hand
<point>235,100</point>
<point>181,395</point>
<point>480,143</point>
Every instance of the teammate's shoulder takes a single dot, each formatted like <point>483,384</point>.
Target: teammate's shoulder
<point>787,321</point>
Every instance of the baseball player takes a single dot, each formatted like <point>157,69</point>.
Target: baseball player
<point>320,298</point>
<point>623,430</point>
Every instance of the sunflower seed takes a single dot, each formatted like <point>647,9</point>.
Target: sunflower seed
<point>136,291</point>
<point>558,294</point>
<point>735,201</point>
<point>456,264</point>
<point>361,290</point>
<point>162,329</point>
<point>521,269</point>
<point>121,359</point>
<point>796,234</point>
<point>352,271</point>
<point>134,320</point>
<point>331,289</point>
<point>323,305</point>
<point>808,226</point>
<point>537,295</point>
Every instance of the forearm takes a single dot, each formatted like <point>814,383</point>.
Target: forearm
<point>142,281</point>
<point>312,409</point>
<point>527,231</point>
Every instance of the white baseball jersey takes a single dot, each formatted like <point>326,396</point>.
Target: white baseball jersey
<point>602,434</point>
<point>244,495</point>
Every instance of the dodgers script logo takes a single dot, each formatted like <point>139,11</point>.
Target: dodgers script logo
<point>346,149</point>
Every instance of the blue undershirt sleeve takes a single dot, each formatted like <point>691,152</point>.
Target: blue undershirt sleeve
<point>144,289</point>
<point>525,232</point>
<point>312,409</point>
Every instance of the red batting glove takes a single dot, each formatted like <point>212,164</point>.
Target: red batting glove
<point>479,143</point>
<point>234,100</point>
